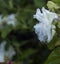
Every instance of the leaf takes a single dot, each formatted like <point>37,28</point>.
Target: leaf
<point>27,53</point>
<point>39,3</point>
<point>11,4</point>
<point>52,6</point>
<point>57,2</point>
<point>25,18</point>
<point>5,31</point>
<point>54,57</point>
<point>51,45</point>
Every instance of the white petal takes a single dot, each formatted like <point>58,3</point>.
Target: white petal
<point>49,16</point>
<point>41,32</point>
<point>38,15</point>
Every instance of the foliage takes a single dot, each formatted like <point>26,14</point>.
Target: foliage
<point>54,57</point>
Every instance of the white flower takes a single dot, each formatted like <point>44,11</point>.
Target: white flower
<point>10,19</point>
<point>45,29</point>
<point>9,53</point>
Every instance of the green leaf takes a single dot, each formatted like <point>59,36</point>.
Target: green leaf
<point>5,31</point>
<point>39,3</point>
<point>25,18</point>
<point>52,44</point>
<point>57,2</point>
<point>54,57</point>
<point>11,4</point>
<point>52,6</point>
<point>27,53</point>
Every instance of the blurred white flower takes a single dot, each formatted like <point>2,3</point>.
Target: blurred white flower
<point>9,53</point>
<point>45,29</point>
<point>10,19</point>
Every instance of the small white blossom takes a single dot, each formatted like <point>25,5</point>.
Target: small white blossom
<point>45,29</point>
<point>10,19</point>
<point>9,53</point>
